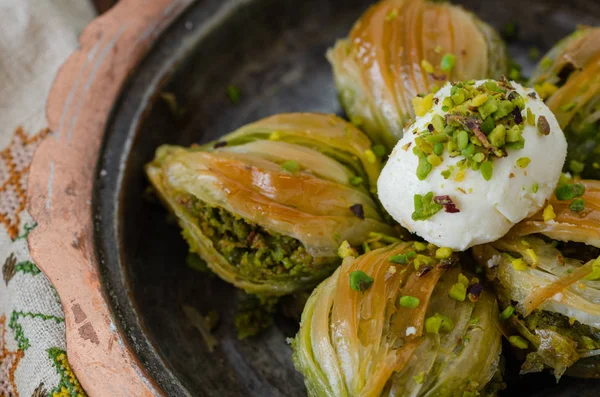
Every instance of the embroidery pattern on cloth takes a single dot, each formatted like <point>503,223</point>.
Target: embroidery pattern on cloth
<point>14,166</point>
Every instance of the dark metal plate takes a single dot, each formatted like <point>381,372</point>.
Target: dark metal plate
<point>273,50</point>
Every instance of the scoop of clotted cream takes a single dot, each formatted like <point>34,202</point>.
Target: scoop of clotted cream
<point>480,157</point>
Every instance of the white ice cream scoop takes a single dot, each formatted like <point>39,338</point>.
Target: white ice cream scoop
<point>483,156</point>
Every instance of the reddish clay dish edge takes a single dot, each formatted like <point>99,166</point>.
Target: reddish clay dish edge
<point>60,187</point>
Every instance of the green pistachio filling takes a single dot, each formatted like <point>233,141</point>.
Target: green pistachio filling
<point>481,124</point>
<point>587,338</point>
<point>257,253</point>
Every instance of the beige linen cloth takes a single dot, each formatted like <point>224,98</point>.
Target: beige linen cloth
<point>36,36</point>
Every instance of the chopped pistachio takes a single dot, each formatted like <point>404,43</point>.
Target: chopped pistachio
<point>290,166</point>
<point>234,94</point>
<point>462,279</point>
<point>569,191</point>
<point>595,274</point>
<point>448,102</point>
<point>443,253</point>
<point>519,264</point>
<point>530,117</point>
<point>488,125</point>
<point>459,97</point>
<point>458,292</point>
<point>462,139</point>
<point>514,134</point>
<point>532,255</point>
<point>360,281</point>
<point>487,169</point>
<point>345,250</point>
<point>434,160</point>
<point>425,207</point>
<point>419,246</point>
<point>379,150</point>
<point>498,136</point>
<point>507,313</point>
<point>548,213</point>
<point>479,100</point>
<point>427,66</point>
<point>438,123</point>
<point>410,302</point>
<point>514,73</point>
<point>523,162</point>
<point>535,188</point>
<point>438,323</point>
<point>505,107</point>
<point>371,158</point>
<point>422,105</point>
<point>422,260</point>
<point>424,168</point>
<point>577,205</point>
<point>448,62</point>
<point>576,166</point>
<point>402,259</point>
<point>479,157</point>
<point>489,107</point>
<point>438,148</point>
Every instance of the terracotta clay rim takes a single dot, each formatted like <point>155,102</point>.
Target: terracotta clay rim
<point>60,190</point>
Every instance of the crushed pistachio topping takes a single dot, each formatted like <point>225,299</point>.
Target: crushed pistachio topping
<point>234,94</point>
<point>569,191</point>
<point>576,166</point>
<point>290,166</point>
<point>523,162</point>
<point>507,313</point>
<point>443,253</point>
<point>438,323</point>
<point>360,281</point>
<point>481,123</point>
<point>577,205</point>
<point>548,213</point>
<point>370,156</point>
<point>448,62</point>
<point>379,150</point>
<point>427,66</point>
<point>458,292</point>
<point>518,263</point>
<point>423,261</point>
<point>425,207</point>
<point>345,250</point>
<point>410,302</point>
<point>419,246</point>
<point>532,255</point>
<point>422,105</point>
<point>595,274</point>
<point>546,89</point>
<point>403,259</point>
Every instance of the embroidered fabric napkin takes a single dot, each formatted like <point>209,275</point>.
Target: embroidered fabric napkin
<point>36,36</point>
